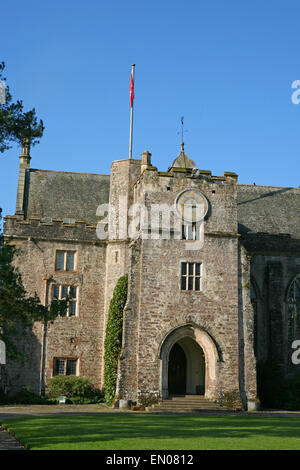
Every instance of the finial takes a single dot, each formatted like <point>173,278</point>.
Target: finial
<point>181,119</point>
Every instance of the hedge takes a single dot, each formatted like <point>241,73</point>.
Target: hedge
<point>78,389</point>
<point>275,390</point>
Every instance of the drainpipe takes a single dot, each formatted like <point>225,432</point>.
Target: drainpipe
<point>44,341</point>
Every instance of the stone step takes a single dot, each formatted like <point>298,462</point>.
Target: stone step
<point>208,405</point>
<point>185,408</point>
<point>182,410</point>
<point>188,396</point>
<point>185,404</point>
<point>189,402</point>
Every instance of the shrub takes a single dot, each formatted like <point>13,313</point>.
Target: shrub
<point>275,390</point>
<point>26,396</point>
<point>113,338</point>
<point>78,389</point>
<point>292,393</point>
<point>4,400</point>
<point>230,399</point>
<point>148,398</point>
<point>270,384</point>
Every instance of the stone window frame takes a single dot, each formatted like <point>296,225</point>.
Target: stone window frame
<point>116,256</point>
<point>61,296</point>
<point>192,276</point>
<point>65,360</point>
<point>190,231</point>
<point>66,252</point>
<point>293,310</point>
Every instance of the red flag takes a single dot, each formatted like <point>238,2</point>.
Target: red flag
<point>131,91</point>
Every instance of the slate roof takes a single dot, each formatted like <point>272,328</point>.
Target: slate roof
<point>58,194</point>
<point>269,209</point>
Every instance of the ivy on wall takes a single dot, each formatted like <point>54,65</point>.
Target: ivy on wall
<point>113,338</point>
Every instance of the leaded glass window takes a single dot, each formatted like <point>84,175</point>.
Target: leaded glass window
<point>65,260</point>
<point>253,296</point>
<point>60,292</point>
<point>191,276</point>
<point>55,292</point>
<point>70,263</point>
<point>60,261</point>
<point>190,231</point>
<point>62,366</point>
<point>71,367</point>
<point>293,310</point>
<point>64,292</point>
<point>59,367</point>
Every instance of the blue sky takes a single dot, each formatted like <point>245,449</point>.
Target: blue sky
<point>227,66</point>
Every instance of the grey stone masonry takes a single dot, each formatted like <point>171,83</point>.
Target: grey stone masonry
<point>237,316</point>
<point>157,305</point>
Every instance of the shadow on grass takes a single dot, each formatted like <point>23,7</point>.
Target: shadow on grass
<point>88,430</point>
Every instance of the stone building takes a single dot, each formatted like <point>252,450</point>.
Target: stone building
<point>208,294</point>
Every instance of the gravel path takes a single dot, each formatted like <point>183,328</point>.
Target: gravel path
<point>8,442</point>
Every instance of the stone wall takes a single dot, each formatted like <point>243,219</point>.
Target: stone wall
<point>220,318</point>
<point>162,306</point>
<point>273,275</point>
<point>79,336</point>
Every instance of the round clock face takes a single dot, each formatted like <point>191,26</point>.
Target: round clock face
<point>191,205</point>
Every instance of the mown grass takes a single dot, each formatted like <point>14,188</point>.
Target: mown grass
<point>156,432</point>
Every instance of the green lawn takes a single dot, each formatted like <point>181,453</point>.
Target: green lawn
<point>156,432</point>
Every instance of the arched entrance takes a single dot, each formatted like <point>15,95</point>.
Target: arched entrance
<point>177,371</point>
<point>186,368</point>
<point>189,357</point>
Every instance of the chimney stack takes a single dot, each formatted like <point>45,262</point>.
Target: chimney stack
<point>23,170</point>
<point>25,156</point>
<point>146,160</point>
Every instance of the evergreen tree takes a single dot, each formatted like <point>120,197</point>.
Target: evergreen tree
<point>18,310</point>
<point>16,125</point>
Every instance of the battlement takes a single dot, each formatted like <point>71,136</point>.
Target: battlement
<point>52,229</point>
<point>186,172</point>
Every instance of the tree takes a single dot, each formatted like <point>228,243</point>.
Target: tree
<point>18,310</point>
<point>16,125</point>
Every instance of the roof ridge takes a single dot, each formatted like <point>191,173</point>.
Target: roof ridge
<point>267,186</point>
<point>68,172</point>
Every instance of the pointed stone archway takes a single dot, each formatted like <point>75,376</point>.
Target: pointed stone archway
<point>188,362</point>
<point>177,371</point>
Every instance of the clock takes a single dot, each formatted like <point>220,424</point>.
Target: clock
<point>191,205</point>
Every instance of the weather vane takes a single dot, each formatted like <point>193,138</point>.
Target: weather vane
<point>182,131</point>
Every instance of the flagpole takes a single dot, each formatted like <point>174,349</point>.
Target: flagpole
<point>131,114</point>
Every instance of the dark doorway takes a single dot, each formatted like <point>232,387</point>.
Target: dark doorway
<point>177,371</point>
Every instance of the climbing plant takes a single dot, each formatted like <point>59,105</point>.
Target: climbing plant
<point>113,338</point>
